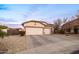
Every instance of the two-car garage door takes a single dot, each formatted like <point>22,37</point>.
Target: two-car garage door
<point>37,31</point>
<point>34,31</point>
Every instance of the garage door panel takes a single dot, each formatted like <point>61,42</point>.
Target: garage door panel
<point>47,31</point>
<point>34,31</point>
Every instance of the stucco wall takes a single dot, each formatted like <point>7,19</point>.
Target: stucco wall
<point>4,30</point>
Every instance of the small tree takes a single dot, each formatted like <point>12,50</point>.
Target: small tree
<point>77,14</point>
<point>2,34</point>
<point>57,25</point>
<point>65,20</point>
<point>22,33</point>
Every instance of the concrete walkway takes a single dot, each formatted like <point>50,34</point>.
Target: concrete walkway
<point>51,44</point>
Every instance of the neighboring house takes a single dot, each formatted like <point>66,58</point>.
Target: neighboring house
<point>21,29</point>
<point>72,26</point>
<point>13,31</point>
<point>37,28</point>
<point>3,28</point>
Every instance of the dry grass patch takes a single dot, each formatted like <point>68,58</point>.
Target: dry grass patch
<point>14,43</point>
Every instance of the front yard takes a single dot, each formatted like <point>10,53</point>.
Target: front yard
<point>55,43</point>
<point>14,43</point>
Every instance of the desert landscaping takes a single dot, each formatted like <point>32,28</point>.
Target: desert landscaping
<point>56,43</point>
<point>39,29</point>
<point>13,43</point>
<point>40,37</point>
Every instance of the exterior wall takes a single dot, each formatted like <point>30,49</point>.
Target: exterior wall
<point>4,30</point>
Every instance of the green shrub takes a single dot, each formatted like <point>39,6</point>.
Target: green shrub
<point>22,33</point>
<point>61,31</point>
<point>2,34</point>
<point>56,31</point>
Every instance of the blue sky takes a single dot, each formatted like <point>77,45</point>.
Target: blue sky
<point>19,13</point>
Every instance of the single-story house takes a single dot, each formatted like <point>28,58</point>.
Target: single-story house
<point>3,28</point>
<point>21,29</point>
<point>13,31</point>
<point>34,27</point>
<point>72,26</point>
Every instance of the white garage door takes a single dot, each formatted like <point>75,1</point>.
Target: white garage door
<point>34,31</point>
<point>47,31</point>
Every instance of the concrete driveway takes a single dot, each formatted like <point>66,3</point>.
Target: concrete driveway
<point>51,44</point>
<point>37,41</point>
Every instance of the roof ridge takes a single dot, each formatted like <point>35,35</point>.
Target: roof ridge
<point>36,21</point>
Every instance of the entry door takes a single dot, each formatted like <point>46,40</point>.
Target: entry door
<point>34,31</point>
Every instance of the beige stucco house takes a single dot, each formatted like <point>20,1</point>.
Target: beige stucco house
<point>37,28</point>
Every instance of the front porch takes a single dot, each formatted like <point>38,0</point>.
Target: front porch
<point>73,30</point>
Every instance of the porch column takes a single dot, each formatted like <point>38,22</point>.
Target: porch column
<point>65,30</point>
<point>51,31</point>
<point>43,31</point>
<point>72,30</point>
<point>78,30</point>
